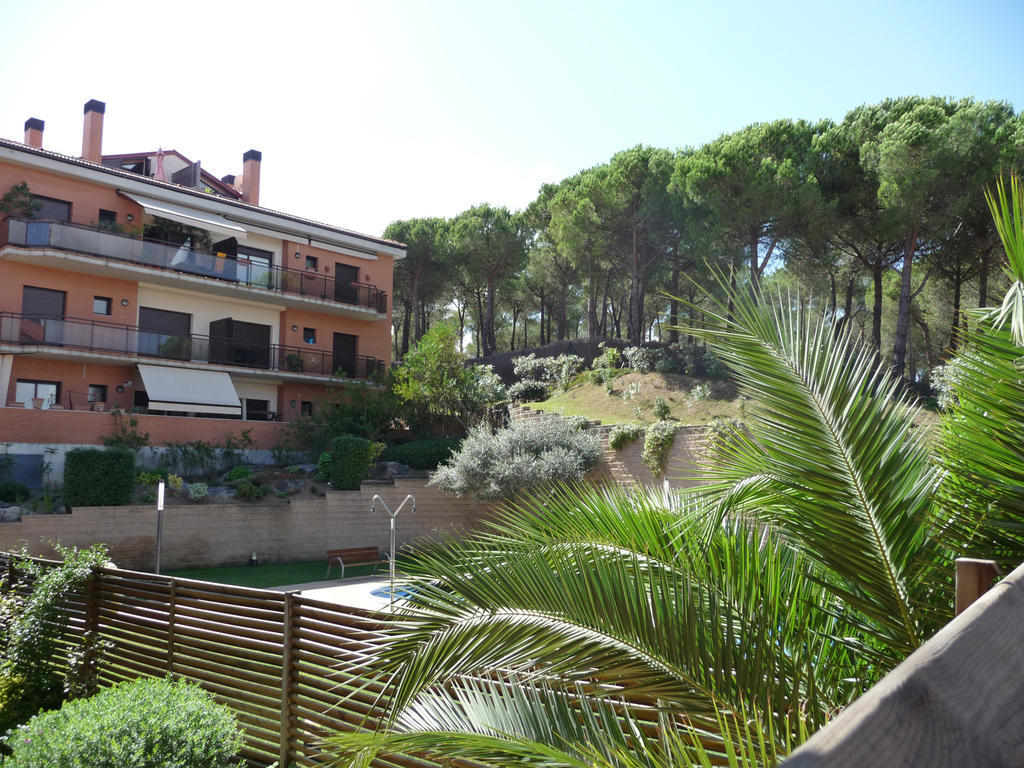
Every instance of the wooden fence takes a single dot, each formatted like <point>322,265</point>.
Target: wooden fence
<point>271,657</point>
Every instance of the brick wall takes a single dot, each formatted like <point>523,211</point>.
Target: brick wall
<point>201,535</point>
<point>32,425</point>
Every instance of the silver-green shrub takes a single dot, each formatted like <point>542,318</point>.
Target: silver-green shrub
<point>493,465</point>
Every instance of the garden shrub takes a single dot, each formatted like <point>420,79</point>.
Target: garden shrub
<point>31,621</point>
<point>149,478</point>
<point>554,371</point>
<point>175,483</point>
<point>491,465</point>
<point>248,490</point>
<point>528,391</point>
<point>712,366</point>
<point>422,454</point>
<point>239,472</point>
<point>609,359</point>
<point>658,439</point>
<point>349,462</point>
<point>700,392</point>
<point>666,365</point>
<point>528,367</point>
<point>145,723</point>
<point>198,492</point>
<point>578,422</point>
<point>622,434</point>
<point>14,492</point>
<point>96,478</point>
<point>661,408</point>
<point>642,359</point>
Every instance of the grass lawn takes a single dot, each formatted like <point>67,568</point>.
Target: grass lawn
<point>632,399</point>
<point>273,574</point>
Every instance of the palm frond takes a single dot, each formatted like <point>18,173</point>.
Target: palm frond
<point>629,600</point>
<point>981,453</point>
<point>1008,214</point>
<point>831,457</point>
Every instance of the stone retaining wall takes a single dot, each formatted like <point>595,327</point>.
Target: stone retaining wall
<point>200,535</point>
<point>626,465</point>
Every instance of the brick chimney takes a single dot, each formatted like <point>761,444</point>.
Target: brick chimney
<point>34,132</point>
<point>92,132</point>
<point>251,176</point>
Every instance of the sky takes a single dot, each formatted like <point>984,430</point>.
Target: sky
<point>368,112</point>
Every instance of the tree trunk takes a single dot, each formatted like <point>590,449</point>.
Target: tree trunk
<point>634,323</point>
<point>592,322</point>
<point>876,308</point>
<point>479,323</point>
<point>755,271</point>
<point>561,322</point>
<point>490,342</point>
<point>832,295</point>
<point>986,254</point>
<point>954,332</point>
<point>673,308</point>
<point>899,347</point>
<point>732,287</point>
<point>407,310</point>
<point>418,330</point>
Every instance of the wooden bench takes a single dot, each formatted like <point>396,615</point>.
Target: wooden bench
<point>354,556</point>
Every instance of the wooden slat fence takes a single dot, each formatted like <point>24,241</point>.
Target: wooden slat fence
<point>272,657</point>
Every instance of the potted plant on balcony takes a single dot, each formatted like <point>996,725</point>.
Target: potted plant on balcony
<point>293,362</point>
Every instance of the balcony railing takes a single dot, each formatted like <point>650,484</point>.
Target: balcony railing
<point>179,258</point>
<point>130,340</point>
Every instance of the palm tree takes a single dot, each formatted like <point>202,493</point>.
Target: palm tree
<point>588,625</point>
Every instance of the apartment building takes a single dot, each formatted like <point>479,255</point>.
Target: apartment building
<point>143,282</point>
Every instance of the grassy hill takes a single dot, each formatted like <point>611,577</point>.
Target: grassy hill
<point>632,395</point>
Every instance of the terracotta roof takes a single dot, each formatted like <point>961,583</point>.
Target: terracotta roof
<point>17,145</point>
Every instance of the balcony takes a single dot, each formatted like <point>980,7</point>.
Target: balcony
<point>177,258</point>
<point>114,339</point>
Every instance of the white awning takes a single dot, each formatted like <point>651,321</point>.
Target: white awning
<point>189,390</point>
<point>211,222</point>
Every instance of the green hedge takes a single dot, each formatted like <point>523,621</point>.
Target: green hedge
<point>144,723</point>
<point>96,478</point>
<point>422,454</point>
<point>348,462</point>
<point>14,492</point>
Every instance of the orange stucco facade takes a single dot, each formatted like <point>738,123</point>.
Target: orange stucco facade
<point>105,281</point>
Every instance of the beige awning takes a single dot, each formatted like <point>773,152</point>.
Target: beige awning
<point>189,390</point>
<point>191,217</point>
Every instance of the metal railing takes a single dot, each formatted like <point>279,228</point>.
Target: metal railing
<point>179,258</point>
<point>114,338</point>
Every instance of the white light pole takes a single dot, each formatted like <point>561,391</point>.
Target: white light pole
<point>392,515</point>
<point>159,521</point>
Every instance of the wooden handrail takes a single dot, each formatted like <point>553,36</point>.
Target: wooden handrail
<point>956,701</point>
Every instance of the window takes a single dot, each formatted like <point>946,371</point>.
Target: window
<point>307,408</point>
<point>309,335</point>
<point>256,410</point>
<point>107,220</point>
<point>26,390</point>
<point>97,393</point>
<point>254,266</point>
<point>312,262</point>
<point>101,305</point>
<point>49,208</point>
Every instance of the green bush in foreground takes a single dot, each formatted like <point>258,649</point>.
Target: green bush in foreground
<point>146,723</point>
<point>95,478</point>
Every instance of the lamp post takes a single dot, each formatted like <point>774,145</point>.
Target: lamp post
<point>391,556</point>
<point>159,521</point>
